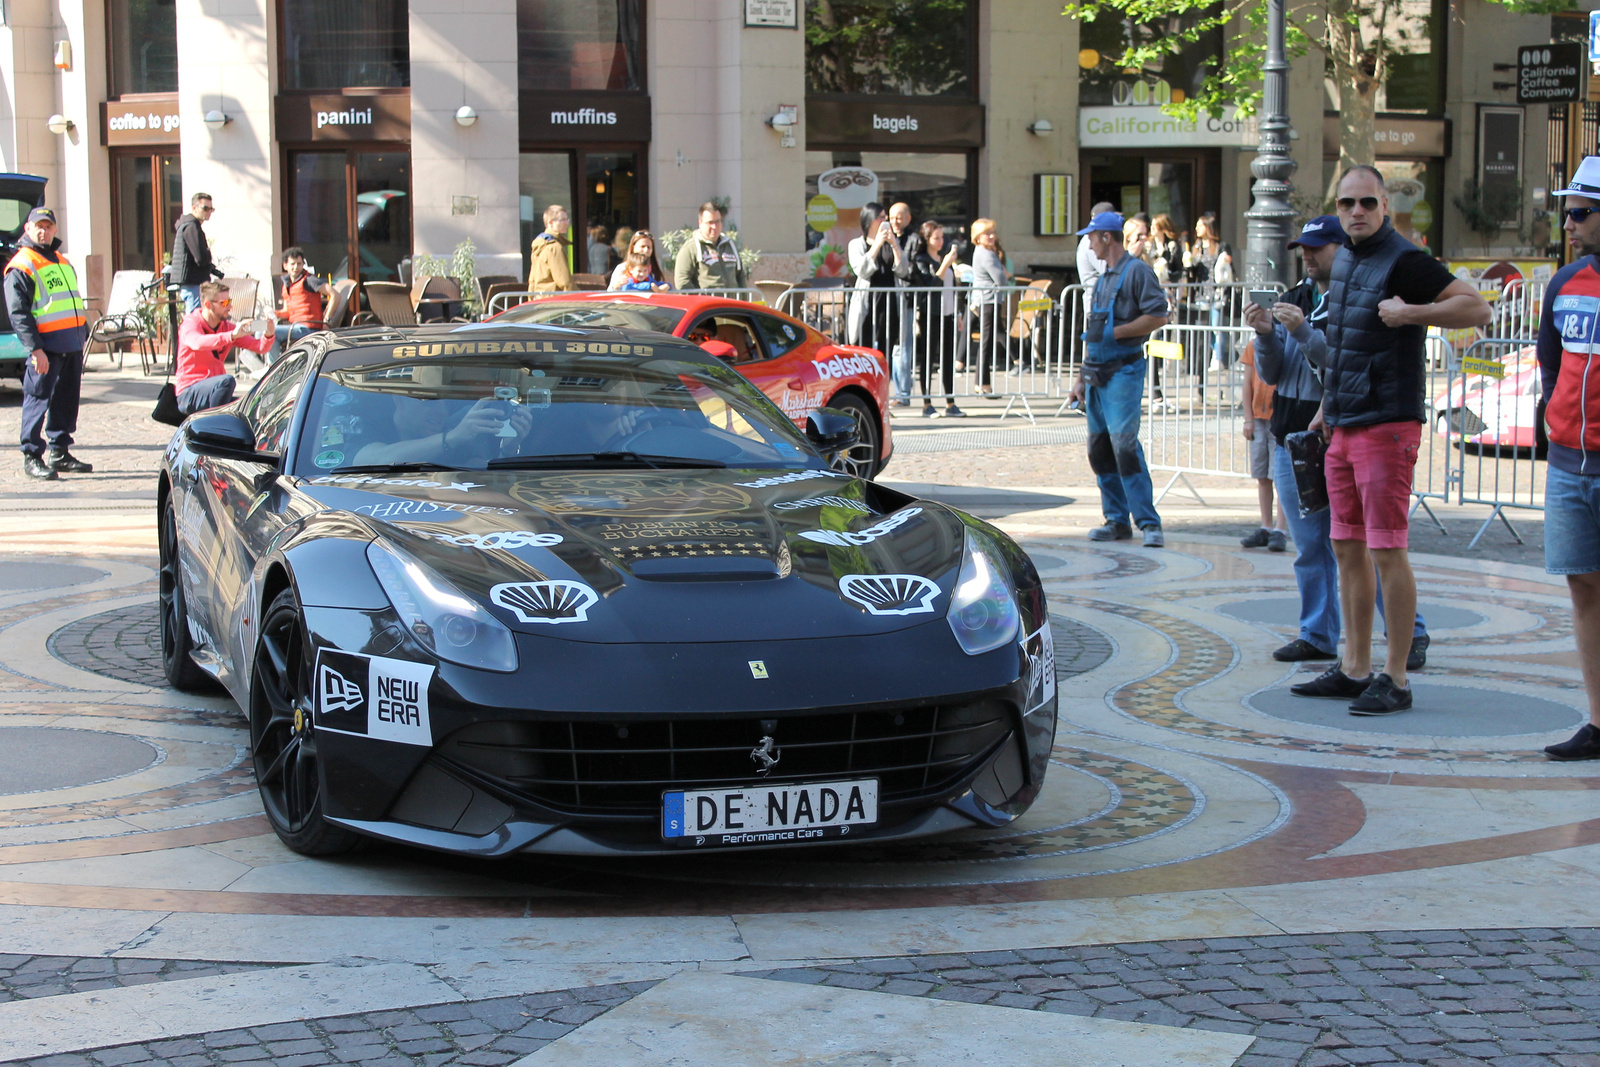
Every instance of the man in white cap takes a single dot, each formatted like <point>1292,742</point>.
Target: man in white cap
<point>1570,380</point>
<point>1127,306</point>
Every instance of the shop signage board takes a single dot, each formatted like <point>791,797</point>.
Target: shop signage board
<point>1552,74</point>
<point>339,117</point>
<point>584,116</point>
<point>1594,36</point>
<point>1395,138</point>
<point>772,14</point>
<point>151,120</point>
<point>896,124</point>
<point>1150,127</point>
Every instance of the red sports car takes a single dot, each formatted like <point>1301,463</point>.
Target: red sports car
<point>798,368</point>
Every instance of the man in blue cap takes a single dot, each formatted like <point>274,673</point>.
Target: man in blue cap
<point>1289,341</point>
<point>45,303</point>
<point>1126,308</point>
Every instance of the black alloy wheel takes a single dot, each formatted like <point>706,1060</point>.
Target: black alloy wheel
<point>176,664</point>
<point>283,742</point>
<point>861,461</point>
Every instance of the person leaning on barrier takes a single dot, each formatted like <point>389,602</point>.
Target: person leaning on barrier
<point>1383,295</point>
<point>1128,306</point>
<point>46,310</point>
<point>1569,329</point>
<point>1289,341</point>
<point>548,269</point>
<point>709,259</point>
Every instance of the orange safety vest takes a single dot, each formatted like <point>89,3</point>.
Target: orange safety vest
<point>57,303</point>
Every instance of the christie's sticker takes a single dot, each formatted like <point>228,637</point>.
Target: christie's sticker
<point>369,696</point>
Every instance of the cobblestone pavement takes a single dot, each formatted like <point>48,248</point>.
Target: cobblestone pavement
<point>124,643</point>
<point>1440,998</point>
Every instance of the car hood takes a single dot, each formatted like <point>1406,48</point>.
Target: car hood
<point>673,555</point>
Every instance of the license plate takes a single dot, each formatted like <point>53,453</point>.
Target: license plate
<point>768,814</point>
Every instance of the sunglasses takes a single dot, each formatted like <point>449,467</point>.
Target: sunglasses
<point>1348,203</point>
<point>1578,214</point>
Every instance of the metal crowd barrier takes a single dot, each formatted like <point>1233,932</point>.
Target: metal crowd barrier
<point>1195,420</point>
<point>1516,309</point>
<point>1432,479</point>
<point>1487,416</point>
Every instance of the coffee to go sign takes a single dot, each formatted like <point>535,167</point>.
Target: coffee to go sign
<point>151,120</point>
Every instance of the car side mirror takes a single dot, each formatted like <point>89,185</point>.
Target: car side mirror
<point>831,430</point>
<point>224,435</point>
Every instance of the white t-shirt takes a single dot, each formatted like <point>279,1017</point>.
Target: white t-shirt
<point>1089,270</point>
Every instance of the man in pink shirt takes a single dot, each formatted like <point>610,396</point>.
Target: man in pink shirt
<point>204,339</point>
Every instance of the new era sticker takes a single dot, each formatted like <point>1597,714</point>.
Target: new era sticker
<point>385,699</point>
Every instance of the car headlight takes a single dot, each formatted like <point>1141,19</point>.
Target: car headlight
<point>983,610</point>
<point>449,624</point>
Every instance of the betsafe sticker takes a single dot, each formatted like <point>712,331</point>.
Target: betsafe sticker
<point>370,696</point>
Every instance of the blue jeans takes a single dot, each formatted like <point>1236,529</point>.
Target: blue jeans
<point>286,334</point>
<point>1115,455</point>
<point>206,394</point>
<point>904,352</point>
<point>1571,522</point>
<point>50,403</point>
<point>191,297</point>
<point>1315,570</point>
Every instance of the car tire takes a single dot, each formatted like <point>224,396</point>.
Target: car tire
<point>283,741</point>
<point>176,663</point>
<point>866,458</point>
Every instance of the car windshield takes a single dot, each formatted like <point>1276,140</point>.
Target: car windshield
<point>577,407</point>
<point>627,314</point>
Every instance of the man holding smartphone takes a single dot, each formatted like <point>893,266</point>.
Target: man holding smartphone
<point>1383,294</point>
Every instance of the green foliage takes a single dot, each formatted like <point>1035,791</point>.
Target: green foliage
<point>1487,210</point>
<point>462,265</point>
<point>913,47</point>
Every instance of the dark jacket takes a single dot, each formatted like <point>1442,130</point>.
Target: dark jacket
<point>1373,373</point>
<point>19,305</point>
<point>191,254</point>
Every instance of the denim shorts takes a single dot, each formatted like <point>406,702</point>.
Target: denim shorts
<point>1571,522</point>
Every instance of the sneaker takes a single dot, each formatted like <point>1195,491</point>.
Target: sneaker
<point>901,404</point>
<point>1258,539</point>
<point>1154,538</point>
<point>1277,541</point>
<point>1382,697</point>
<point>1112,531</point>
<point>952,412</point>
<point>1299,650</point>
<point>1585,744</point>
<point>1332,682</point>
<point>67,463</point>
<point>928,411</point>
<point>34,467</point>
<point>1417,658</point>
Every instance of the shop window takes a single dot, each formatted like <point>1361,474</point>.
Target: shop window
<point>580,44</point>
<point>605,200</point>
<point>351,212</point>
<point>935,185</point>
<point>1102,80</point>
<point>891,47</point>
<point>143,41</point>
<point>346,44</point>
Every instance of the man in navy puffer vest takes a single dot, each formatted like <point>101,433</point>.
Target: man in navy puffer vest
<point>1383,295</point>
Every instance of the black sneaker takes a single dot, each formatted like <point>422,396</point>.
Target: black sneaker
<point>1332,682</point>
<point>1277,541</point>
<point>1417,658</point>
<point>1585,744</point>
<point>34,467</point>
<point>1382,697</point>
<point>66,463</point>
<point>1299,650</point>
<point>1256,540</point>
<point>1112,531</point>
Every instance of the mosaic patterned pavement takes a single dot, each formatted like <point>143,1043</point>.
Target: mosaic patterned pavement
<point>1189,801</point>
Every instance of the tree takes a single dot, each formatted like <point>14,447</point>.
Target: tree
<point>1359,38</point>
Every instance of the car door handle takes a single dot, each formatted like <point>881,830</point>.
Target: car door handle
<point>797,383</point>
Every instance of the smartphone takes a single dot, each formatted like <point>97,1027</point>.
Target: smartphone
<point>1264,298</point>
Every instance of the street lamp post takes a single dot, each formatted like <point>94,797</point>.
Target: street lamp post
<point>1271,217</point>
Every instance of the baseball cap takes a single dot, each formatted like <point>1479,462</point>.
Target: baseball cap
<point>1106,220</point>
<point>1322,230</point>
<point>42,214</point>
<point>1586,182</point>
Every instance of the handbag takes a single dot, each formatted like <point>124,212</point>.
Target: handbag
<point>1307,451</point>
<point>167,405</point>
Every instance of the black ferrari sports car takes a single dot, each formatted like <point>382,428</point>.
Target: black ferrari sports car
<point>497,589</point>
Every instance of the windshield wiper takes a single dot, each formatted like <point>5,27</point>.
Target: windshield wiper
<point>600,459</point>
<point>377,468</point>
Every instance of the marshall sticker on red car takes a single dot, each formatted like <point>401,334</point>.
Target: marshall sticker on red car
<point>370,696</point>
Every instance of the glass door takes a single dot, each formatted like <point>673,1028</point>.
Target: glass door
<point>148,196</point>
<point>543,178</point>
<point>350,210</point>
<point>602,189</point>
<point>382,183</point>
<point>319,216</point>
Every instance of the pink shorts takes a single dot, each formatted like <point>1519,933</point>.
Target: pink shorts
<point>1369,471</point>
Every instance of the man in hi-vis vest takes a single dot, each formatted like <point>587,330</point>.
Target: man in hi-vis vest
<point>46,307</point>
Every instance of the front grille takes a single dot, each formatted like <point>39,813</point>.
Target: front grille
<point>621,769</point>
